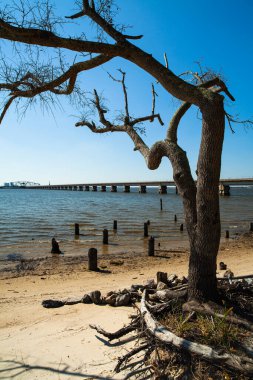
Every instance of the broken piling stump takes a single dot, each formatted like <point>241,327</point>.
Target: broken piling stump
<point>162,277</point>
<point>145,229</point>
<point>151,246</point>
<point>55,247</point>
<point>105,236</point>
<point>77,229</point>
<point>92,259</point>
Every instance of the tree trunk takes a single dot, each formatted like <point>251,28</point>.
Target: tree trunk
<point>205,237</point>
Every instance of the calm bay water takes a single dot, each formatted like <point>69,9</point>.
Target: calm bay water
<point>35,216</point>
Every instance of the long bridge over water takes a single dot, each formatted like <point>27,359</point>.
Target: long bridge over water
<point>142,185</point>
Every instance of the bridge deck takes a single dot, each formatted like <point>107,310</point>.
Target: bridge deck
<point>228,181</point>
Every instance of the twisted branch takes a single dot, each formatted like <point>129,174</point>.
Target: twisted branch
<point>38,87</point>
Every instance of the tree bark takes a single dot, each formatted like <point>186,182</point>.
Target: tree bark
<point>205,237</point>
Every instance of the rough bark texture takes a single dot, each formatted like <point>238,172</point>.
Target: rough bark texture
<point>204,241</point>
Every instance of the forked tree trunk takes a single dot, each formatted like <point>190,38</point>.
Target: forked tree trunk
<point>205,235</point>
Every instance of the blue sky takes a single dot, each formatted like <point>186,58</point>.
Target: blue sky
<point>42,148</point>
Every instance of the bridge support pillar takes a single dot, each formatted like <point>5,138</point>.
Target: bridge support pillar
<point>87,188</point>
<point>142,189</point>
<point>94,188</point>
<point>103,188</point>
<point>163,189</point>
<point>127,189</point>
<point>114,189</point>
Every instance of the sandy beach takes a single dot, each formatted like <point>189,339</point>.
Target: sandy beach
<point>39,343</point>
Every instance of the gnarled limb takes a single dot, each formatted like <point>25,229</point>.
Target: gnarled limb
<point>71,74</point>
<point>159,332</point>
<point>175,85</point>
<point>33,36</point>
<point>6,107</point>
<point>34,85</point>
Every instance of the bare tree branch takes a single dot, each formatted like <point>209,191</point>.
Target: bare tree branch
<point>175,85</point>
<point>173,126</point>
<point>147,118</point>
<point>38,87</point>
<point>125,96</point>
<point>166,61</point>
<point>6,107</point>
<point>45,38</point>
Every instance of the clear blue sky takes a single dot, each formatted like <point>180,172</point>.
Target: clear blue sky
<point>219,34</point>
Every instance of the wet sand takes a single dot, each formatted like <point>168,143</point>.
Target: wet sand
<point>38,343</point>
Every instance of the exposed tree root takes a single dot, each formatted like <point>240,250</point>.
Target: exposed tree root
<point>248,276</point>
<point>168,294</point>
<point>206,309</point>
<point>138,371</point>
<point>242,364</point>
<point>131,353</point>
<point>160,307</point>
<point>196,334</point>
<point>165,350</point>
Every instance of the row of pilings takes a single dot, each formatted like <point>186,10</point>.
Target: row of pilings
<point>103,188</point>
<point>223,188</point>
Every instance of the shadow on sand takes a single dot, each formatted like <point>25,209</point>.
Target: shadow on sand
<point>14,369</point>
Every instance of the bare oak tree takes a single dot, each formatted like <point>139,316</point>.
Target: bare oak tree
<point>200,198</point>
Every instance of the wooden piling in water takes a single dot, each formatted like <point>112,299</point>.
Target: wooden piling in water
<point>77,229</point>
<point>92,259</point>
<point>227,234</point>
<point>115,225</point>
<point>55,247</point>
<point>145,229</point>
<point>151,246</point>
<point>175,218</point>
<point>105,236</point>
<point>161,204</point>
<point>181,227</point>
<point>251,226</point>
